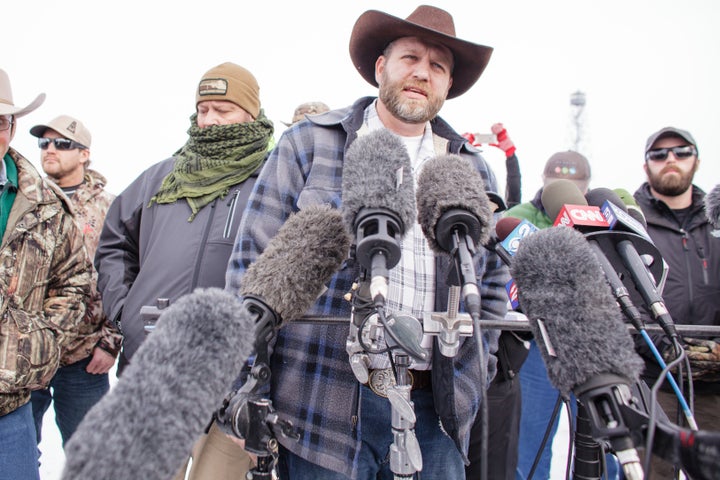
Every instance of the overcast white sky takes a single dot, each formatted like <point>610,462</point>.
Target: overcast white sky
<point>129,70</point>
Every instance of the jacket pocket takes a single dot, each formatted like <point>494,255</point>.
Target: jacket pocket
<point>29,351</point>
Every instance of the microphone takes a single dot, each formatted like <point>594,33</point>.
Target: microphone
<point>633,208</point>
<point>167,394</point>
<point>712,206</point>
<point>619,247</point>
<point>455,215</point>
<point>182,371</point>
<point>510,231</point>
<point>583,341</point>
<point>564,202</point>
<point>616,212</point>
<point>378,203</point>
<point>612,208</point>
<point>292,271</point>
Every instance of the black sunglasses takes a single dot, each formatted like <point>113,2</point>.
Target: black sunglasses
<point>661,154</point>
<point>60,143</point>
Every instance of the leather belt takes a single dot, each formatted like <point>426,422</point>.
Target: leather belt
<point>379,380</point>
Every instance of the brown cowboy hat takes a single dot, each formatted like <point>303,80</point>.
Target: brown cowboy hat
<point>374,30</point>
<point>7,106</point>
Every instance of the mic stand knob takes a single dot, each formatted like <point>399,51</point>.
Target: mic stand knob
<point>450,325</point>
<point>405,454</point>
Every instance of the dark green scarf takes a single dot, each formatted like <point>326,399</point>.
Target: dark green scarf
<point>8,193</point>
<point>214,159</point>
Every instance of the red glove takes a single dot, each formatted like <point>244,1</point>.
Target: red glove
<point>470,138</point>
<point>504,142</point>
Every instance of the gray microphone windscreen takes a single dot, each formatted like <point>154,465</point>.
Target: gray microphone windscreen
<point>450,182</point>
<point>377,174</point>
<point>573,315</point>
<point>712,206</point>
<point>291,272</point>
<point>145,427</point>
<point>558,193</point>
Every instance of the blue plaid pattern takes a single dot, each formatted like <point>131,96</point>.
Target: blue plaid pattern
<point>312,383</point>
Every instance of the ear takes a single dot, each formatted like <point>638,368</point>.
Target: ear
<point>379,68</point>
<point>84,156</point>
<point>645,168</point>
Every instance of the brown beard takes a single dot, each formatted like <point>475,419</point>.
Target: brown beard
<point>672,186</point>
<point>409,111</point>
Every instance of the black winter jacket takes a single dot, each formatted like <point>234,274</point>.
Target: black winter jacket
<point>692,251</point>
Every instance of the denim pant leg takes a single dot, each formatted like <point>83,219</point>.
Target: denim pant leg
<point>74,392</point>
<point>441,459</point>
<point>538,400</point>
<point>40,401</point>
<point>18,445</point>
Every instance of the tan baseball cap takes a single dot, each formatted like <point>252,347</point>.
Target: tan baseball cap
<point>66,126</point>
<point>307,108</point>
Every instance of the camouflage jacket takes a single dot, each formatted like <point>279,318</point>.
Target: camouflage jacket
<point>44,285</point>
<point>90,203</point>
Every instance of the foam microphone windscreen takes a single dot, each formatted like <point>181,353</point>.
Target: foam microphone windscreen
<point>304,254</point>
<point>573,316</point>
<point>506,225</point>
<point>598,196</point>
<point>145,427</point>
<point>377,174</point>
<point>450,182</point>
<point>558,193</point>
<point>712,206</point>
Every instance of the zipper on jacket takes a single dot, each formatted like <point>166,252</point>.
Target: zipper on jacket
<point>686,254</point>
<point>703,260</point>
<point>232,204</point>
<point>356,406</point>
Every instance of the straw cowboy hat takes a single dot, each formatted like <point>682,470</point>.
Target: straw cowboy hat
<point>7,106</point>
<point>374,30</point>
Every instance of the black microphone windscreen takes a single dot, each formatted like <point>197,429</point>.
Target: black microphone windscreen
<point>558,193</point>
<point>506,225</point>
<point>145,427</point>
<point>712,206</point>
<point>291,272</point>
<point>562,290</point>
<point>450,182</point>
<point>598,196</point>
<point>377,174</point>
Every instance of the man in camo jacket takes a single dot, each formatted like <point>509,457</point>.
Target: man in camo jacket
<point>82,378</point>
<point>44,287</point>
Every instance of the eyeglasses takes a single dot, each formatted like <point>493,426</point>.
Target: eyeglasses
<point>60,143</point>
<point>5,123</point>
<point>661,154</point>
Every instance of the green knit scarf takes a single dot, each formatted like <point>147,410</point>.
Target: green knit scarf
<point>214,159</point>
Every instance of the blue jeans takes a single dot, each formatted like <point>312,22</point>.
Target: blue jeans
<point>538,401</point>
<point>18,448</point>
<point>74,391</point>
<point>441,459</point>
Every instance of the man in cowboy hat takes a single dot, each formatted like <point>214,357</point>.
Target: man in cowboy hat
<point>345,427</point>
<point>44,285</point>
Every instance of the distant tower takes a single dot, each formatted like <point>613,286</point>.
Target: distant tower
<point>577,105</point>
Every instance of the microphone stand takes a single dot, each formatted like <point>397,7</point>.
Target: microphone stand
<point>246,413</point>
<point>587,456</point>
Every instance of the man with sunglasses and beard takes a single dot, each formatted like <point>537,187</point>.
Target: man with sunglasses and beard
<point>82,378</point>
<point>676,221</point>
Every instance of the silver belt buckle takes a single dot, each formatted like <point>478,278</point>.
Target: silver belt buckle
<point>382,379</point>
